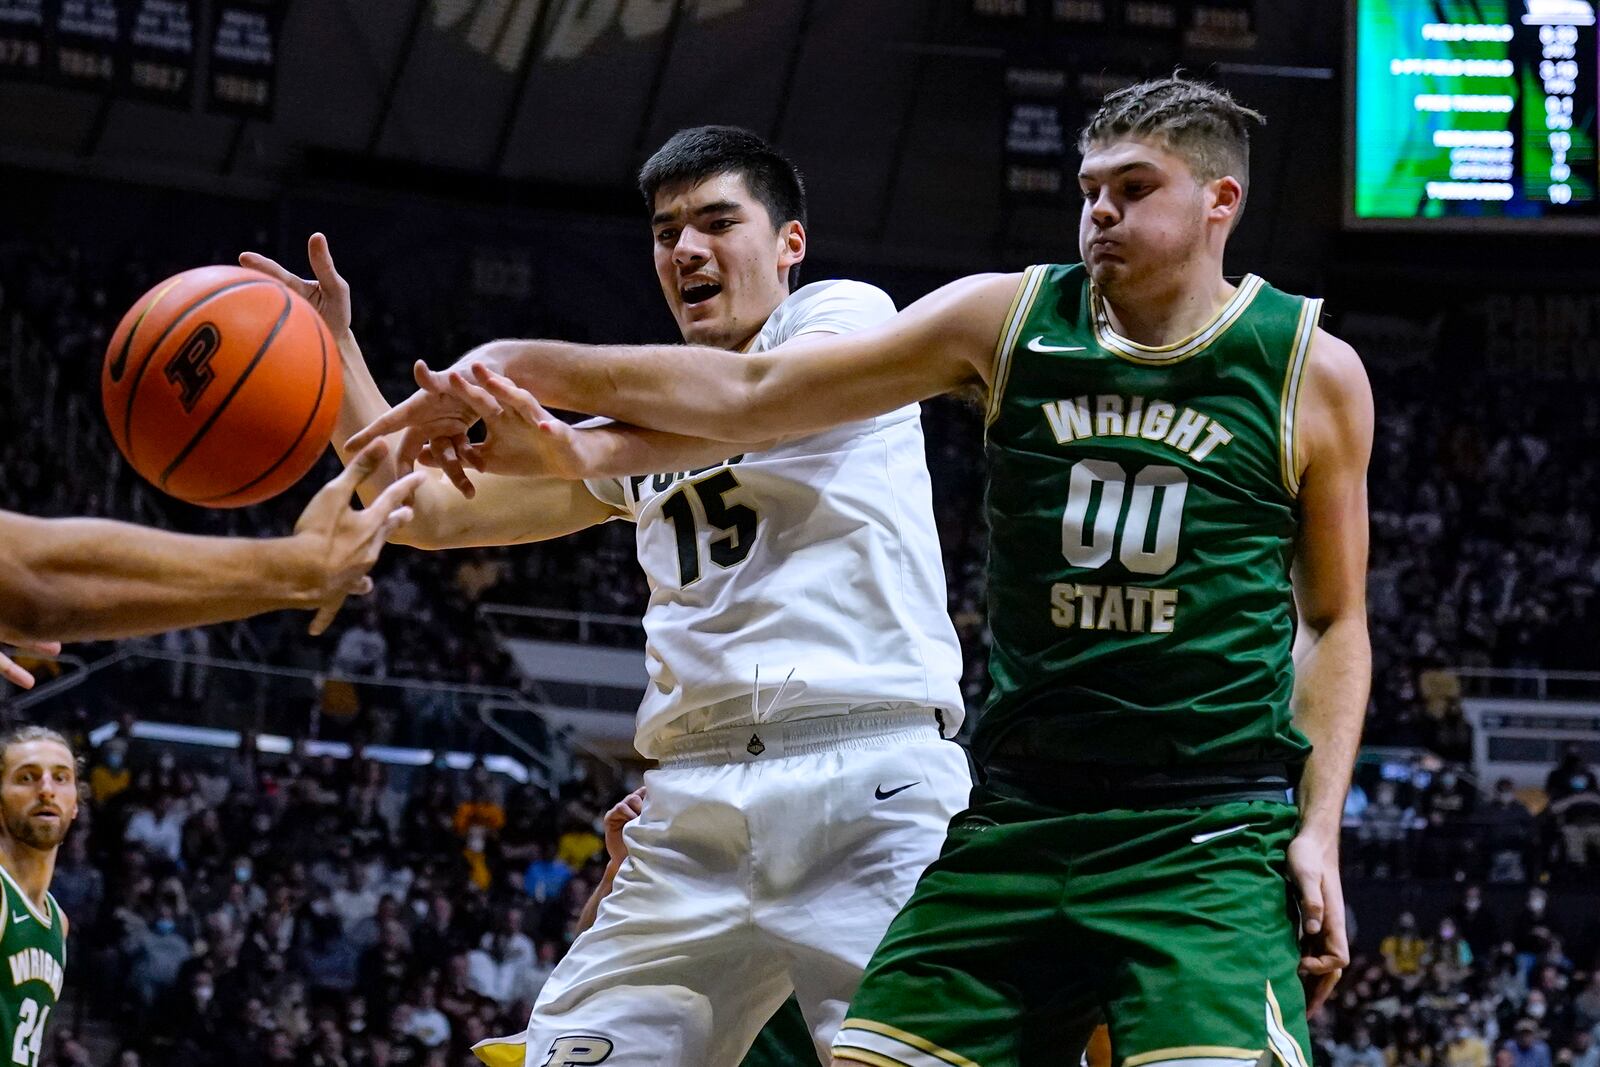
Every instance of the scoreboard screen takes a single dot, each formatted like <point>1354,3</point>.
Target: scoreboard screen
<point>1473,114</point>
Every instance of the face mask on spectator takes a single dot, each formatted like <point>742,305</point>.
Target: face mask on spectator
<point>165,926</point>
<point>241,872</point>
<point>202,993</point>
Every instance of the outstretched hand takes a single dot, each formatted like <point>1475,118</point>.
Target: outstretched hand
<point>346,541</point>
<point>433,417</point>
<point>326,291</point>
<point>523,438</point>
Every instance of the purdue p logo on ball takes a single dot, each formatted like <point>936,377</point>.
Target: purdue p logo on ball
<point>565,1051</point>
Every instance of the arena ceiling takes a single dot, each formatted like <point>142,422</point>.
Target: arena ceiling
<point>892,107</point>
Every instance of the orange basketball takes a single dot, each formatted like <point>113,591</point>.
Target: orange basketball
<point>221,386</point>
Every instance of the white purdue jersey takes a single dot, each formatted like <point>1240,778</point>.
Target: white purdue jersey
<point>806,575</point>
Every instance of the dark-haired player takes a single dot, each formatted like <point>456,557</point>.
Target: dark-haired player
<point>802,664</point>
<point>38,801</point>
<point>1178,535</point>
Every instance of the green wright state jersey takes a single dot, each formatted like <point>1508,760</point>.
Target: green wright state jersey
<point>1142,514</point>
<point>34,946</point>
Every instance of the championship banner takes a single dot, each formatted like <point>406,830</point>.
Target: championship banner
<point>22,38</point>
<point>999,10</point>
<point>88,43</point>
<point>244,58</point>
<point>1086,14</point>
<point>1090,87</point>
<point>161,46</point>
<point>1036,133</point>
<point>1154,18</point>
<point>1222,25</point>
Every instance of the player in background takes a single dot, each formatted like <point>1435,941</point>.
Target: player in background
<point>803,668</point>
<point>1178,537</point>
<point>38,801</point>
<point>96,580</point>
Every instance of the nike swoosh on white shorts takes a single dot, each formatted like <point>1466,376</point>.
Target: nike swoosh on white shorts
<point>1201,839</point>
<point>1038,345</point>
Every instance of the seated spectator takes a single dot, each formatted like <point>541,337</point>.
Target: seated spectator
<point>1385,830</point>
<point>355,901</point>
<point>1575,820</point>
<point>1448,950</point>
<point>578,843</point>
<point>1475,922</point>
<point>425,1022</point>
<point>155,951</point>
<point>501,967</point>
<point>1508,829</point>
<point>546,877</point>
<point>1404,949</point>
<point>110,775</point>
<point>327,958</point>
<point>158,828</point>
<point>1453,734</point>
<point>1583,1050</point>
<point>1586,1005</point>
<point>1572,775</point>
<point>1465,1046</point>
<point>1447,805</point>
<point>1360,1051</point>
<point>1528,1047</point>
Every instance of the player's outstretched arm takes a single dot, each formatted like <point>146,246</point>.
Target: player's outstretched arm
<point>941,343</point>
<point>95,579</point>
<point>495,511</point>
<point>1333,668</point>
<point>524,439</point>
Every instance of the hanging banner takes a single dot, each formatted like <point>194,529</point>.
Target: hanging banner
<point>161,46</point>
<point>1154,18</point>
<point>1222,25</point>
<point>87,49</point>
<point>244,58</point>
<point>22,38</point>
<point>1089,14</point>
<point>1037,133</point>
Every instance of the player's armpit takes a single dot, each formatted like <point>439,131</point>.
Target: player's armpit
<point>504,511</point>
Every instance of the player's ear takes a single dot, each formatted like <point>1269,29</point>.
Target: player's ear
<point>792,243</point>
<point>1225,199</point>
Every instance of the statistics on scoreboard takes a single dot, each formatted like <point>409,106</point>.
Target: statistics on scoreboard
<point>1473,113</point>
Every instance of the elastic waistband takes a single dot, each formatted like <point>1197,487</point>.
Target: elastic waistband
<point>1088,788</point>
<point>798,737</point>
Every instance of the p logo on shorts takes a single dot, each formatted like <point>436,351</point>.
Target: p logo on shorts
<point>584,1048</point>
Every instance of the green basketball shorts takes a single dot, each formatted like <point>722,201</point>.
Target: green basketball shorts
<point>1178,925</point>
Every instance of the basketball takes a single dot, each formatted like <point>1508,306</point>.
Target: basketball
<point>221,386</point>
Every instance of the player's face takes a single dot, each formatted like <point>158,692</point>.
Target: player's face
<point>39,793</point>
<point>722,265</point>
<point>1144,214</point>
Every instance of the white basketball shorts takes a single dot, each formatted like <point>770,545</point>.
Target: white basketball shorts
<point>767,859</point>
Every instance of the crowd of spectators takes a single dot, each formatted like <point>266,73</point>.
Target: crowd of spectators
<point>250,910</point>
<point>1435,822</point>
<point>1473,990</point>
